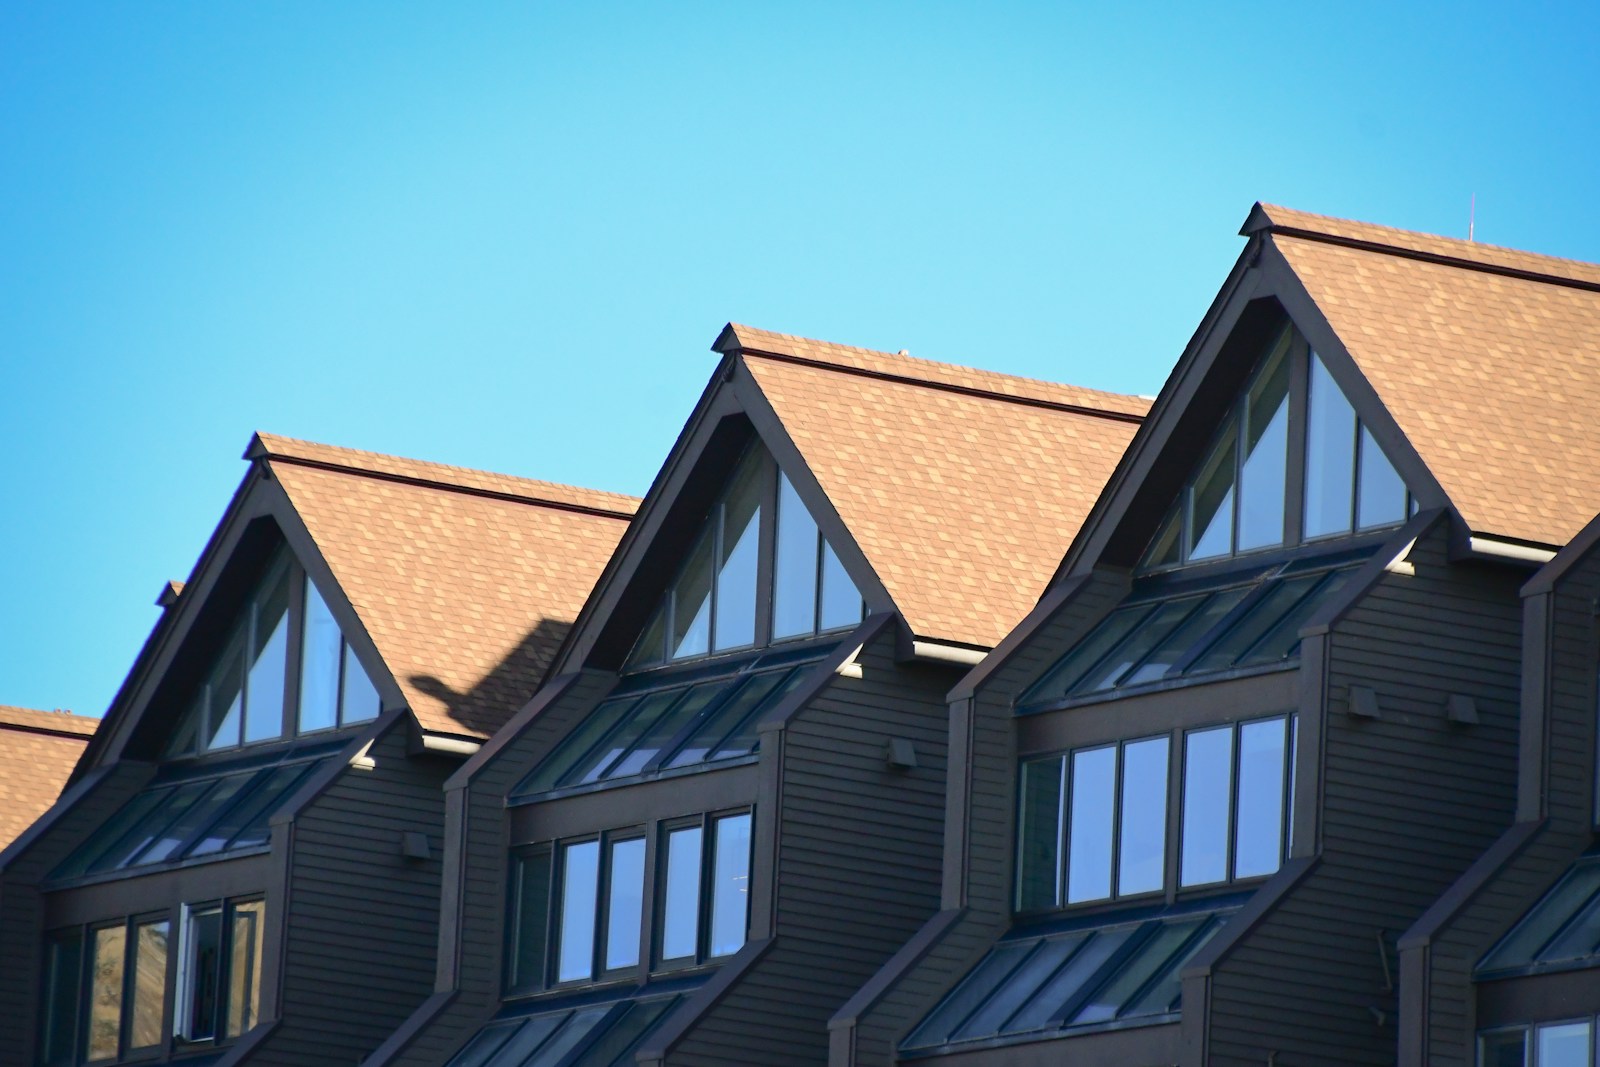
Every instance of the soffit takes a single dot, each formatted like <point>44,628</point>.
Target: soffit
<point>1492,378</point>
<point>466,582</point>
<point>962,488</point>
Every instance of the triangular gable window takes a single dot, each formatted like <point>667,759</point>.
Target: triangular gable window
<point>256,691</point>
<point>1238,499</point>
<point>760,571</point>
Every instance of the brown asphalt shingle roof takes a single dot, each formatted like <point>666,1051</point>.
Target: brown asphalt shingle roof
<point>963,488</point>
<point>38,750</point>
<point>466,581</point>
<point>1489,361</point>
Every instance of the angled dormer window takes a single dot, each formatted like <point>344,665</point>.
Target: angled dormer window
<point>760,571</point>
<point>1241,497</point>
<point>284,669</point>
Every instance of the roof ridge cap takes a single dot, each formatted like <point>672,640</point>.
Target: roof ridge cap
<point>1370,244</point>
<point>57,721</point>
<point>261,448</point>
<point>922,361</point>
<point>950,387</point>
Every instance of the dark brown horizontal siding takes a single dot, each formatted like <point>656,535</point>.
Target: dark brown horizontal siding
<point>990,774</point>
<point>1409,801</point>
<point>363,921</point>
<point>859,853</point>
<point>22,911</point>
<point>1475,929</point>
<point>482,906</point>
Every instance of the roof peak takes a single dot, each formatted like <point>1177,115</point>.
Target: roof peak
<point>57,721</point>
<point>1452,251</point>
<point>901,367</point>
<point>272,447</point>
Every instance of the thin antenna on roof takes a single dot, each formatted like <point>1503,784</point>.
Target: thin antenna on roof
<point>1472,216</point>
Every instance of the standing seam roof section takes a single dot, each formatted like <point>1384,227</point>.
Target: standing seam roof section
<point>963,488</point>
<point>1486,358</point>
<point>38,750</point>
<point>466,582</point>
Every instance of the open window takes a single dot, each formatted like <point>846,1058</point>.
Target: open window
<point>760,571</point>
<point>1290,438</point>
<point>284,669</point>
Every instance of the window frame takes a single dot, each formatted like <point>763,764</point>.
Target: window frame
<point>1300,355</point>
<point>1235,756</point>
<point>1172,888</point>
<point>196,701</point>
<point>770,481</point>
<point>1068,790</point>
<point>172,1015</point>
<point>654,833</point>
<point>1530,1033</point>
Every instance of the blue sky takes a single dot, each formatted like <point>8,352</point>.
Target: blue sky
<point>504,236</point>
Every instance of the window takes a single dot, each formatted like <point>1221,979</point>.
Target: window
<point>105,991</point>
<point>705,906</point>
<point>219,974</point>
<point>760,571</point>
<point>1558,1044</point>
<point>1093,825</point>
<point>607,1033</point>
<point>334,690</point>
<point>170,821</point>
<point>249,696</point>
<point>577,906</point>
<point>1238,498</point>
<point>1103,975</point>
<point>643,730</point>
<point>1235,801</point>
<point>1160,634</point>
<point>1560,932</point>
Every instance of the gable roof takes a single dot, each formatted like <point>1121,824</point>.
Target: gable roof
<point>38,750</point>
<point>466,582</point>
<point>1487,358</point>
<point>962,488</point>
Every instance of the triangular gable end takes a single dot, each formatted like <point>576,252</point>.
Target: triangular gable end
<point>760,571</point>
<point>284,670</point>
<point>688,529</point>
<point>258,648</point>
<point>1292,462</point>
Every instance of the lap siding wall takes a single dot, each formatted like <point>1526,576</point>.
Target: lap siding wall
<point>1409,801</point>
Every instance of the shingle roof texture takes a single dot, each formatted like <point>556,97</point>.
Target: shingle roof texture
<point>466,596</point>
<point>38,750</point>
<point>963,488</point>
<point>1494,379</point>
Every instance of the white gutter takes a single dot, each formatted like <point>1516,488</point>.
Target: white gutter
<point>450,746</point>
<point>942,653</point>
<point>1489,546</point>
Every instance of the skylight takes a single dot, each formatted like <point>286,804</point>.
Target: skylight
<point>1157,636</point>
<point>1562,931</point>
<point>645,729</point>
<point>1074,979</point>
<point>172,820</point>
<point>595,1035</point>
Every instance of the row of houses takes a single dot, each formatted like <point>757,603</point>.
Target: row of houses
<point>917,714</point>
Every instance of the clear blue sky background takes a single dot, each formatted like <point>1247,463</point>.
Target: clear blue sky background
<point>505,235</point>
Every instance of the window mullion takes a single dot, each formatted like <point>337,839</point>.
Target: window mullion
<point>766,553</point>
<point>1295,463</point>
<point>1116,816</point>
<point>1062,811</point>
<point>1229,854</point>
<point>295,636</point>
